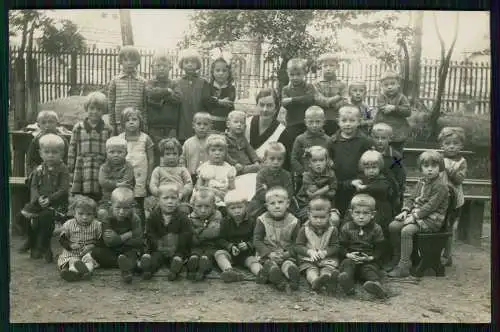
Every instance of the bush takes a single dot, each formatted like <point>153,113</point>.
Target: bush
<point>477,128</point>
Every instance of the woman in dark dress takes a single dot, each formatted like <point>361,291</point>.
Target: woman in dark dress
<point>265,128</point>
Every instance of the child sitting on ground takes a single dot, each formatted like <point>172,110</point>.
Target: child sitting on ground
<point>240,153</point>
<point>347,147</point>
<point>361,241</point>
<point>314,135</point>
<point>48,196</point>
<point>47,122</point>
<point>170,170</point>
<point>331,93</point>
<point>425,211</point>
<point>222,91</point>
<point>317,247</point>
<point>216,173</point>
<point>318,180</point>
<point>194,149</point>
<point>393,163</point>
<point>122,235</point>
<point>297,96</point>
<point>270,175</point>
<point>127,89</point>
<point>140,153</point>
<point>357,95</point>
<point>274,239</point>
<point>452,141</point>
<point>393,108</point>
<point>168,234</point>
<point>163,100</point>
<point>115,172</point>
<point>206,221</point>
<point>236,233</point>
<point>87,148</point>
<point>78,236</point>
<point>375,183</point>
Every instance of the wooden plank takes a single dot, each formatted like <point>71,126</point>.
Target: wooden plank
<point>419,150</point>
<point>477,182</point>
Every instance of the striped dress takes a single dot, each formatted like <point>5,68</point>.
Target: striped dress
<point>126,90</point>
<point>86,154</point>
<point>81,234</point>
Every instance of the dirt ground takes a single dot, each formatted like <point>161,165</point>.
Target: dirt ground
<point>37,294</point>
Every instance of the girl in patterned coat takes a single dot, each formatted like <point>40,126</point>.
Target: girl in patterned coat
<point>140,153</point>
<point>78,237</point>
<point>87,148</point>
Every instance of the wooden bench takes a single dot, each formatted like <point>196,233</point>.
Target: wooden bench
<point>19,196</point>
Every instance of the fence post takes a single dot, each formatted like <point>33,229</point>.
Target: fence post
<point>73,88</point>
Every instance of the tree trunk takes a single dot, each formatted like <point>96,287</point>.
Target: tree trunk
<point>282,74</point>
<point>406,68</point>
<point>31,94</point>
<point>416,55</point>
<point>19,94</point>
<point>443,74</point>
<point>126,27</point>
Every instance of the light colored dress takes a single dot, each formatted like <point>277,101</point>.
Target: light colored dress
<point>137,156</point>
<point>217,178</point>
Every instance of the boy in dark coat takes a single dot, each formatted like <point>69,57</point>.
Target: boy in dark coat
<point>168,234</point>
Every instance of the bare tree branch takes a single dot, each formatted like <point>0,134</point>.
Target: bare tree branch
<point>440,37</point>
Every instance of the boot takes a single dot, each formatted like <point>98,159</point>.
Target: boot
<point>263,275</point>
<point>399,272</point>
<point>375,288</point>
<point>294,274</point>
<point>126,265</point>
<point>192,266</point>
<point>346,283</point>
<point>331,284</point>
<point>231,275</point>
<point>146,267</point>
<point>277,278</point>
<point>203,268</point>
<point>82,269</point>
<point>175,268</point>
<point>320,282</point>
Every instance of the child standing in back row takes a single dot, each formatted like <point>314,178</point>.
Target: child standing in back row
<point>331,93</point>
<point>195,92</point>
<point>222,91</point>
<point>127,89</point>
<point>163,100</point>
<point>297,96</point>
<point>393,108</point>
<point>140,153</point>
<point>87,148</point>
<point>357,95</point>
<point>452,141</point>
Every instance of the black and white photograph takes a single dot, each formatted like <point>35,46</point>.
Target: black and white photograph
<point>249,165</point>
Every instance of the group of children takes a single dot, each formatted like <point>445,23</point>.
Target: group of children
<point>335,216</point>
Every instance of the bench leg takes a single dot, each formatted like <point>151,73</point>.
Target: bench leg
<point>430,257</point>
<point>470,226</point>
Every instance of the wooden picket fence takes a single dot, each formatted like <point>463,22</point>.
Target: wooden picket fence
<point>467,88</point>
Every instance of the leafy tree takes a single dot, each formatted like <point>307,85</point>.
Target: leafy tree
<point>55,39</point>
<point>294,33</point>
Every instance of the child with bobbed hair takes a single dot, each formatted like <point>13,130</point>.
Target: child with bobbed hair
<point>87,148</point>
<point>78,236</point>
<point>222,92</point>
<point>425,211</point>
<point>170,169</point>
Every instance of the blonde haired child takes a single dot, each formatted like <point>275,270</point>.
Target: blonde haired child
<point>357,95</point>
<point>48,196</point>
<point>393,108</point>
<point>78,237</point>
<point>318,180</point>
<point>274,240</point>
<point>47,122</point>
<point>317,247</point>
<point>216,174</point>
<point>452,140</point>
<point>140,153</point>
<point>87,148</point>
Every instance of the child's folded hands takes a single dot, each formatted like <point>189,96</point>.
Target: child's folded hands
<point>242,246</point>
<point>235,251</point>
<point>401,216</point>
